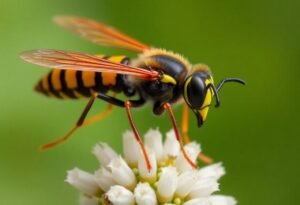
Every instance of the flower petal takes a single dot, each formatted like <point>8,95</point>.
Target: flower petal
<point>104,153</point>
<point>142,167</point>
<point>199,201</point>
<point>104,179</point>
<point>186,180</point>
<point>144,194</point>
<point>153,141</point>
<point>131,149</point>
<point>214,170</point>
<point>171,146</point>
<point>122,173</point>
<point>204,188</point>
<point>83,181</point>
<point>167,184</point>
<point>118,195</point>
<point>192,149</point>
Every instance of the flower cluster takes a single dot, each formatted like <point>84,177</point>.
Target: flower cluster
<point>125,180</point>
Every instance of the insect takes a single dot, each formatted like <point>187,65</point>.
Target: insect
<point>157,75</point>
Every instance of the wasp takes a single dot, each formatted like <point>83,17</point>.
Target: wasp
<point>156,75</point>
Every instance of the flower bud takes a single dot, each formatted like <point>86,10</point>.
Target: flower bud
<point>118,195</point>
<point>171,146</point>
<point>192,150</point>
<point>131,148</point>
<point>214,170</point>
<point>122,174</point>
<point>145,174</point>
<point>204,188</point>
<point>167,184</point>
<point>83,181</point>
<point>153,141</point>
<point>104,153</point>
<point>144,194</point>
<point>104,179</point>
<point>186,181</point>
<point>198,201</point>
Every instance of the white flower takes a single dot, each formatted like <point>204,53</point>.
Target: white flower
<point>104,179</point>
<point>213,170</point>
<point>104,153</point>
<point>186,181</point>
<point>171,147</point>
<point>167,184</point>
<point>118,195</point>
<point>171,180</point>
<point>192,149</point>
<point>83,181</point>
<point>122,173</point>
<point>204,187</point>
<point>145,174</point>
<point>153,141</point>
<point>131,149</point>
<point>198,201</point>
<point>144,194</point>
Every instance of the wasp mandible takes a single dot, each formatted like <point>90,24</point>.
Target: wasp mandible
<point>157,75</point>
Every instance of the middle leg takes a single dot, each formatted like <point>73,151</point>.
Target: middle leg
<point>137,135</point>
<point>168,108</point>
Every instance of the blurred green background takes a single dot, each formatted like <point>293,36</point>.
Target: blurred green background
<point>254,133</point>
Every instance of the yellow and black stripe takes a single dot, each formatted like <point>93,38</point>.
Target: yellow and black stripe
<point>72,84</point>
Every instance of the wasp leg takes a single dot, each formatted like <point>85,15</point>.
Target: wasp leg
<point>136,134</point>
<point>108,110</point>
<point>128,105</point>
<point>167,107</point>
<point>185,124</point>
<point>102,115</point>
<point>186,139</point>
<point>78,124</point>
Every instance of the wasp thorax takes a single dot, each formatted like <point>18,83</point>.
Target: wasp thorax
<point>173,69</point>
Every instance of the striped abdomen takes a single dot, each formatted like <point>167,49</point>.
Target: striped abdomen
<point>67,84</point>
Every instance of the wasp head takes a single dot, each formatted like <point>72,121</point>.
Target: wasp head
<point>197,92</point>
<point>199,89</point>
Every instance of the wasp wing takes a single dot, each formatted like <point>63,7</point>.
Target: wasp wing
<point>84,62</point>
<point>99,33</point>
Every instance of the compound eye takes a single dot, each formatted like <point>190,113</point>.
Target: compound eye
<point>195,91</point>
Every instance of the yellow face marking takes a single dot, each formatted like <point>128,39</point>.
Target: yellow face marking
<point>185,90</point>
<point>168,79</point>
<point>109,79</point>
<point>88,78</point>
<point>207,101</point>
<point>55,79</point>
<point>70,78</point>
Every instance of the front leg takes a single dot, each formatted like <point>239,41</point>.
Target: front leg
<point>168,108</point>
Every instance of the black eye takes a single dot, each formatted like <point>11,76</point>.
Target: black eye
<point>195,91</point>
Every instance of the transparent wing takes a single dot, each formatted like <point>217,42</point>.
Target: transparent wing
<point>78,61</point>
<point>99,33</point>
